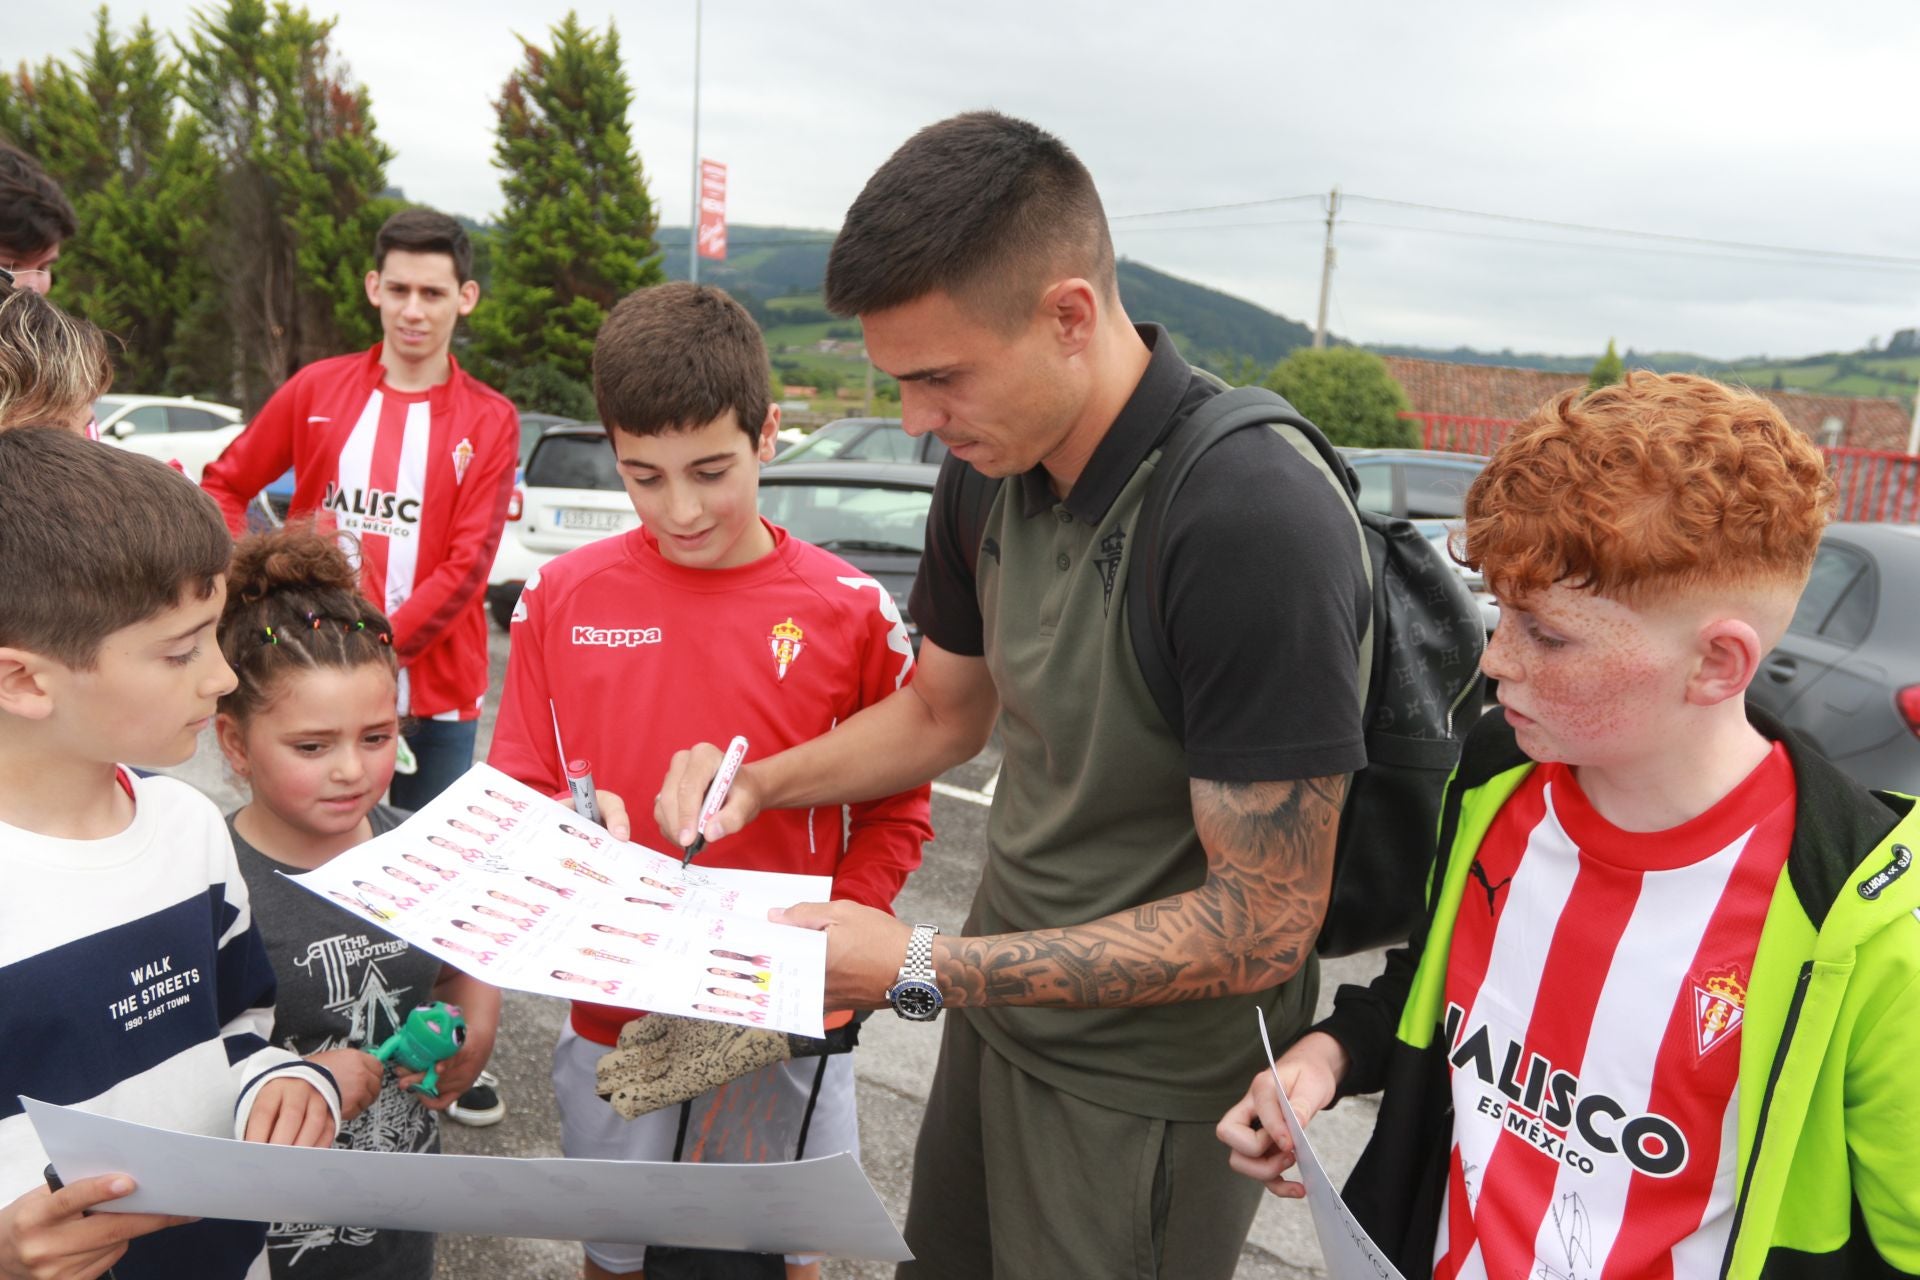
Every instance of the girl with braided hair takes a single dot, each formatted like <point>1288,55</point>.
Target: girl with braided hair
<point>311,729</point>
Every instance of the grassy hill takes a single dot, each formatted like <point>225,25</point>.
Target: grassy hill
<point>778,271</point>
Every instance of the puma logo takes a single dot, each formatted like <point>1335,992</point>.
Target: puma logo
<point>1479,873</point>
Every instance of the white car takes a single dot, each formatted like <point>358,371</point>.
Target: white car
<point>177,429</point>
<point>570,495</point>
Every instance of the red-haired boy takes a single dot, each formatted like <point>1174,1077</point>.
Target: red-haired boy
<point>1658,1018</point>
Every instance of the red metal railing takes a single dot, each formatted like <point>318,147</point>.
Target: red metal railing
<point>1874,484</point>
<point>1870,484</point>
<point>1459,434</point>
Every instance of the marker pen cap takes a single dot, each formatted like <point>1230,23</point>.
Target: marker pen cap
<point>578,768</point>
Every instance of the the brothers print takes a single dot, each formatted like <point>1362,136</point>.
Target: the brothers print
<point>343,984</point>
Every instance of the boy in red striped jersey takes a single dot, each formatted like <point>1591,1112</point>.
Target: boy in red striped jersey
<point>1655,1022</point>
<point>402,448</point>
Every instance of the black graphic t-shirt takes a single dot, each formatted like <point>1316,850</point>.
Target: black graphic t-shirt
<point>343,984</point>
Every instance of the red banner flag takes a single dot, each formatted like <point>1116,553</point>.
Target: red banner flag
<point>713,210</point>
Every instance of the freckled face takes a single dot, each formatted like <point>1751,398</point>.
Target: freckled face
<point>1586,680</point>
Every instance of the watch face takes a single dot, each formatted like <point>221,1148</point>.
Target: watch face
<point>916,1000</point>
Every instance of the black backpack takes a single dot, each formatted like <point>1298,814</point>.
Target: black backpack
<point>1420,676</point>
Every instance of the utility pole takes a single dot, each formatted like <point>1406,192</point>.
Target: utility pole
<point>1326,271</point>
<point>693,217</point>
<point>1913,432</point>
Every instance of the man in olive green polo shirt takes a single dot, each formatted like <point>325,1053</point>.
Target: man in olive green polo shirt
<point>1145,889</point>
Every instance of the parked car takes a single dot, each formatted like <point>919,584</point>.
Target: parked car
<point>533,425</point>
<point>873,515</point>
<point>570,494</point>
<point>1847,674</point>
<point>177,429</point>
<point>863,440</point>
<point>1429,488</point>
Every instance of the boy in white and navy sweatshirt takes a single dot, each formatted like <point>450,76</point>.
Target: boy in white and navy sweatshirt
<point>132,980</point>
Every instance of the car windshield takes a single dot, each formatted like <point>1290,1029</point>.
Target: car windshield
<point>849,517</point>
<point>573,462</point>
<point>828,442</point>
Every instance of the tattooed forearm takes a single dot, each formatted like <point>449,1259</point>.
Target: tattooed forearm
<point>1269,868</point>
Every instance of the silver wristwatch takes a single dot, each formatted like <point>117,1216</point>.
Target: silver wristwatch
<point>915,996</point>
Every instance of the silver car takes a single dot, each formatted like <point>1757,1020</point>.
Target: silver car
<point>1847,675</point>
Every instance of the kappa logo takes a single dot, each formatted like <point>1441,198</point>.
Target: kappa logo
<point>897,638</point>
<point>616,637</point>
<point>520,604</point>
<point>1876,884</point>
<point>1719,1005</point>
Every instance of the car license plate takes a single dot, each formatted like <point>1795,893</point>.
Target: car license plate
<point>583,520</point>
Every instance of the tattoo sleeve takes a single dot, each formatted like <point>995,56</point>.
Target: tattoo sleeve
<point>1250,926</point>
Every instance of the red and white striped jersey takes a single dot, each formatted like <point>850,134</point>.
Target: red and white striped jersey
<point>1595,987</point>
<point>421,479</point>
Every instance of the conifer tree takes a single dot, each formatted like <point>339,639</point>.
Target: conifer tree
<point>300,170</point>
<point>1607,370</point>
<point>141,183</point>
<point>576,233</point>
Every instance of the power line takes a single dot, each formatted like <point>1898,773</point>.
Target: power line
<point>1214,208</point>
<point>1841,254</point>
<point>1900,264</point>
<point>1224,226</point>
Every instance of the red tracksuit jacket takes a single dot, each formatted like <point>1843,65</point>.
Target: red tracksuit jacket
<point>421,479</point>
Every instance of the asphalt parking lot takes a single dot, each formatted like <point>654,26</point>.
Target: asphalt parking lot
<point>894,1062</point>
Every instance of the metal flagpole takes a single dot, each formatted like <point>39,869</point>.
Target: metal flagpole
<point>693,220</point>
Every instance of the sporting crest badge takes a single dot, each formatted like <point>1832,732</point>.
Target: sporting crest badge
<point>1719,1003</point>
<point>786,640</point>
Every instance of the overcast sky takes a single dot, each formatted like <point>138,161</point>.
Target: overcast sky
<point>1760,122</point>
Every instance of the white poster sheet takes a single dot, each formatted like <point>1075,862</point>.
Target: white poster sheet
<point>517,889</point>
<point>1349,1251</point>
<point>824,1205</point>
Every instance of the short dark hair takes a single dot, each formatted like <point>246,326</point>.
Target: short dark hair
<point>676,357</point>
<point>294,604</point>
<point>423,230</point>
<point>983,206</point>
<point>94,539</point>
<point>34,212</point>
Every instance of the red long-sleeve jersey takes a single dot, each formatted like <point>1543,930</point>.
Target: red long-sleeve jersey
<point>641,657</point>
<point>421,479</point>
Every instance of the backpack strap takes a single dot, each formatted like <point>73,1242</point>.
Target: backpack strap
<point>1214,420</point>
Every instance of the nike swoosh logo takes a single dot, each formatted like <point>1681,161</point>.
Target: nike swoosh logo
<point>315,417</point>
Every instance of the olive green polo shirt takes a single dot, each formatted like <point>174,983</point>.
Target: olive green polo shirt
<point>1092,815</point>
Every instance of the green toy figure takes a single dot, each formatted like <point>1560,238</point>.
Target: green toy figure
<point>432,1034</point>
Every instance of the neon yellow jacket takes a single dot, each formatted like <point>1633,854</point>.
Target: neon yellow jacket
<point>1829,1092</point>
